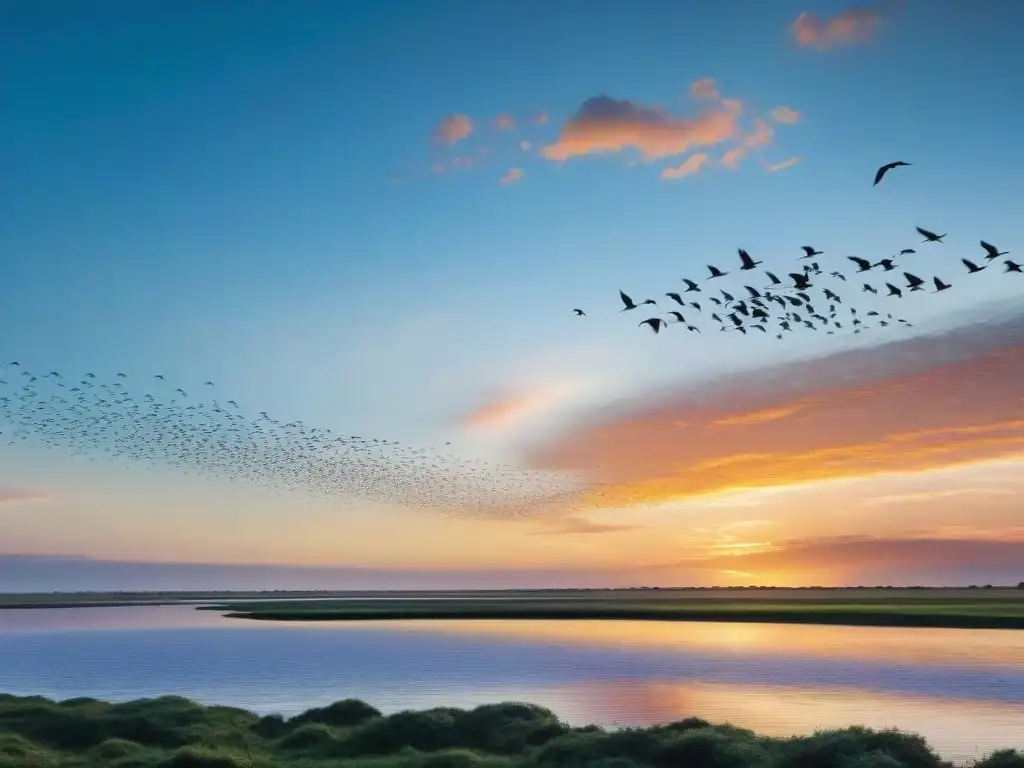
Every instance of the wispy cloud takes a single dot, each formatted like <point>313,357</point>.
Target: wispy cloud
<point>10,495</point>
<point>525,145</point>
<point>688,167</point>
<point>903,407</point>
<point>784,114</point>
<point>572,525</point>
<point>781,166</point>
<point>925,497</point>
<point>504,122</point>
<point>512,176</point>
<point>453,129</point>
<point>759,138</point>
<point>856,24</point>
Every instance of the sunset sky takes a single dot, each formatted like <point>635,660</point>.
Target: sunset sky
<point>377,218</point>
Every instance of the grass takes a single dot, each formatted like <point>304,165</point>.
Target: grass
<point>173,732</point>
<point>901,610</point>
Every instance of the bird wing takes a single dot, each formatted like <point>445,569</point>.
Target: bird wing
<point>912,279</point>
<point>745,258</point>
<point>969,264</point>
<point>860,262</point>
<point>625,299</point>
<point>925,232</point>
<point>992,250</point>
<point>881,172</point>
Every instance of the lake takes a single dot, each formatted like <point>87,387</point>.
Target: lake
<point>962,689</point>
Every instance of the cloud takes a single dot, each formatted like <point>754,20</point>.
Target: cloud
<point>514,408</point>
<point>688,167</point>
<point>604,125</point>
<point>783,114</point>
<point>757,139</point>
<point>18,495</point>
<point>573,525</point>
<point>705,88</point>
<point>856,24</point>
<point>453,129</point>
<point>512,176</point>
<point>504,122</point>
<point>776,167</point>
<point>946,400</point>
<point>929,496</point>
<point>525,145</point>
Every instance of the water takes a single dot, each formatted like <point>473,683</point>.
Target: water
<point>962,689</point>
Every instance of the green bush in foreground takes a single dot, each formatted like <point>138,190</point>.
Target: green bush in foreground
<point>173,732</point>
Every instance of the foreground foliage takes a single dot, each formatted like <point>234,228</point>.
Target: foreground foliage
<point>173,732</point>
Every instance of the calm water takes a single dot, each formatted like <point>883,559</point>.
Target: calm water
<point>962,689</point>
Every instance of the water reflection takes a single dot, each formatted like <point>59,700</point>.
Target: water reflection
<point>963,689</point>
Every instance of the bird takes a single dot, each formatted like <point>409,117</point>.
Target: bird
<point>929,237</point>
<point>1012,266</point>
<point>939,285</point>
<point>579,313</point>
<point>773,278</point>
<point>893,291</point>
<point>972,267</point>
<point>864,264</point>
<point>676,298</point>
<point>914,282</point>
<point>869,289</point>
<point>905,251</point>
<point>800,282</point>
<point>840,275</point>
<point>677,315</point>
<point>208,384</point>
<point>715,272</point>
<point>887,264</point>
<point>885,169</point>
<point>656,323</point>
<point>628,302</point>
<point>747,260</point>
<point>991,252</point>
<point>809,252</point>
<point>691,287</point>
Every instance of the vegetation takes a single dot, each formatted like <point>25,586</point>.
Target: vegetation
<point>173,732</point>
<point>938,610</point>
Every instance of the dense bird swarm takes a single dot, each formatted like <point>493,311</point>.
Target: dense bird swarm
<point>152,422</point>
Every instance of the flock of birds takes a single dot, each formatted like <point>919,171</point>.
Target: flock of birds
<point>145,421</point>
<point>148,422</point>
<point>798,301</point>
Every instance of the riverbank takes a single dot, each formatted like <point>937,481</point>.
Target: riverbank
<point>937,611</point>
<point>173,731</point>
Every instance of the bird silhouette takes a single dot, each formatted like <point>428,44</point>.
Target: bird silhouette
<point>1012,266</point>
<point>914,282</point>
<point>691,287</point>
<point>972,268</point>
<point>677,315</point>
<point>940,286</point>
<point>715,272</point>
<point>676,298</point>
<point>809,252</point>
<point>747,260</point>
<point>885,169</point>
<point>991,252</point>
<point>887,264</point>
<point>579,312</point>
<point>863,264</point>
<point>627,302</point>
<point>893,291</point>
<point>905,251</point>
<point>656,323</point>
<point>929,237</point>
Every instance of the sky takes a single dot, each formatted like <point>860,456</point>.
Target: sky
<point>377,218</point>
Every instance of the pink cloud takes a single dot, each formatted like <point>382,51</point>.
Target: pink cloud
<point>513,176</point>
<point>453,129</point>
<point>784,114</point>
<point>504,122</point>
<point>776,167</point>
<point>688,167</point>
<point>856,24</point>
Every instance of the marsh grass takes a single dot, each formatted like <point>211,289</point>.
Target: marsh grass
<point>173,732</point>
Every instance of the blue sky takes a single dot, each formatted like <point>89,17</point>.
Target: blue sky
<point>246,192</point>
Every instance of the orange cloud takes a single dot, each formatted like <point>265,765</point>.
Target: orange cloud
<point>904,407</point>
<point>776,167</point>
<point>540,118</point>
<point>512,176</point>
<point>759,138</point>
<point>705,88</point>
<point>785,114</point>
<point>453,128</point>
<point>504,122</point>
<point>688,167</point>
<point>854,25</point>
<point>509,410</point>
<point>603,125</point>
<point>17,495</point>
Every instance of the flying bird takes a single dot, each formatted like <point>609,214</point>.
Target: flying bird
<point>991,252</point>
<point>676,298</point>
<point>893,291</point>
<point>579,312</point>
<point>914,282</point>
<point>691,287</point>
<point>715,272</point>
<point>972,267</point>
<point>656,323</point>
<point>939,285</point>
<point>905,251</point>
<point>747,260</point>
<point>864,264</point>
<point>809,252</point>
<point>929,237</point>
<point>628,302</point>
<point>885,169</point>
<point>677,315</point>
<point>887,264</point>
<point>1012,266</point>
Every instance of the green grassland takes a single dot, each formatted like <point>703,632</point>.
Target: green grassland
<point>939,610</point>
<point>173,732</point>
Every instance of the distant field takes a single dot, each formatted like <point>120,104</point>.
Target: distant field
<point>941,609</point>
<point>659,596</point>
<point>996,608</point>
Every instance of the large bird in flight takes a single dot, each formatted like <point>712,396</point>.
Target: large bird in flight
<point>885,169</point>
<point>929,237</point>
